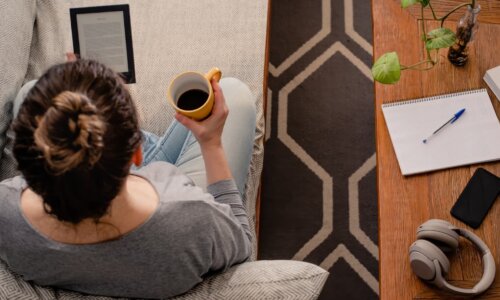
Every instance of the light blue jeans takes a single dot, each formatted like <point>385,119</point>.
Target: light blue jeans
<point>179,147</point>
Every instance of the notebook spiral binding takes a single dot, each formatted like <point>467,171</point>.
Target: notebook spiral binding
<point>432,98</point>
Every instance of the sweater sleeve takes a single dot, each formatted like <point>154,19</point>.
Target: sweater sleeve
<point>226,192</point>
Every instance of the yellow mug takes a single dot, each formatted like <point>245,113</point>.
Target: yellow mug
<point>191,94</point>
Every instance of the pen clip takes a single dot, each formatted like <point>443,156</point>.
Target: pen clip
<point>457,115</point>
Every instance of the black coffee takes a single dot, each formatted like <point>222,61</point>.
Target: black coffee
<point>192,99</point>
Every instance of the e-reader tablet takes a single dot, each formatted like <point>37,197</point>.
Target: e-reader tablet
<point>103,33</point>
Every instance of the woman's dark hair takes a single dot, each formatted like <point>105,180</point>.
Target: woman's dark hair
<point>76,133</point>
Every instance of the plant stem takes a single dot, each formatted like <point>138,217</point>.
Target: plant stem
<point>433,13</point>
<point>424,32</point>
<point>442,19</point>
<point>418,69</point>
<point>423,22</point>
<point>412,67</point>
<point>424,69</point>
<point>427,61</point>
<point>429,56</point>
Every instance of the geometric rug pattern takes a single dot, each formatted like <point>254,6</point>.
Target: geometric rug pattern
<point>319,197</point>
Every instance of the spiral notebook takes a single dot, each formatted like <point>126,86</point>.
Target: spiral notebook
<point>473,138</point>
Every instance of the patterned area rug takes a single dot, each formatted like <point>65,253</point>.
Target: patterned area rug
<point>319,201</point>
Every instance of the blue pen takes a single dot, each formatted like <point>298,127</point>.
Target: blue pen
<point>450,121</point>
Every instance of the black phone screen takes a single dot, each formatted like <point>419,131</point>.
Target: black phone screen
<point>477,197</point>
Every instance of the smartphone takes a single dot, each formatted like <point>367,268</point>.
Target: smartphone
<point>477,197</point>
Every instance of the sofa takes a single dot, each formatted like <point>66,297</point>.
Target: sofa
<point>169,37</point>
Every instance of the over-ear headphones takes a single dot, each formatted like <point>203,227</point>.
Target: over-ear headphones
<point>430,263</point>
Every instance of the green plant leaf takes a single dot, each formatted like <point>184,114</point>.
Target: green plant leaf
<point>440,38</point>
<point>424,2</point>
<point>387,68</point>
<point>406,3</point>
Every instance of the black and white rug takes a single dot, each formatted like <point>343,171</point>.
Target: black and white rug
<point>319,200</point>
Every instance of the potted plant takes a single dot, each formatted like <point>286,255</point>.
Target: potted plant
<point>387,69</point>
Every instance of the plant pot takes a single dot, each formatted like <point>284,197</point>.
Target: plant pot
<point>466,28</point>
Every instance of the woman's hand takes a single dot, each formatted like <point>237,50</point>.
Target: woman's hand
<point>209,131</point>
<point>209,135</point>
<point>70,56</point>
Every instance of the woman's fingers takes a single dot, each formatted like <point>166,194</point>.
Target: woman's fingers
<point>216,86</point>
<point>187,122</point>
<point>219,103</point>
<point>70,56</point>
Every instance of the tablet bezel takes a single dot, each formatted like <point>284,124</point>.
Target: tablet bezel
<point>128,76</point>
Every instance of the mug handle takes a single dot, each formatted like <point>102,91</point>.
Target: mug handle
<point>214,73</point>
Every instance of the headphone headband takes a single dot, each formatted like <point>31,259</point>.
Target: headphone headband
<point>471,236</point>
<point>427,230</point>
<point>489,267</point>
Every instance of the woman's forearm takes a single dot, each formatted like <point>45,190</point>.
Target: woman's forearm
<point>216,165</point>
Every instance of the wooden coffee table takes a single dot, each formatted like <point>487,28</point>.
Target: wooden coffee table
<point>406,202</point>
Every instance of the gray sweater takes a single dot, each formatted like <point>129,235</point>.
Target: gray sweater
<point>190,235</point>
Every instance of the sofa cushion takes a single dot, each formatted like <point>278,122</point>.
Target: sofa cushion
<point>272,279</point>
<point>16,30</point>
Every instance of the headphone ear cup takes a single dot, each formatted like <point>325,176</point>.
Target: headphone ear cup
<point>422,256</point>
<point>440,234</point>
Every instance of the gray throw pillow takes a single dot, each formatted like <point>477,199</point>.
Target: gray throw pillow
<point>265,279</point>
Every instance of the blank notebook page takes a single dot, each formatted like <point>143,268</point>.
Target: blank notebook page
<point>473,138</point>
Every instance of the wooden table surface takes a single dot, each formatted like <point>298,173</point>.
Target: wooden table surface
<point>406,202</point>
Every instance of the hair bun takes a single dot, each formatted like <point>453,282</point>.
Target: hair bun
<point>70,133</point>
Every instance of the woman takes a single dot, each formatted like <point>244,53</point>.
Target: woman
<point>78,218</point>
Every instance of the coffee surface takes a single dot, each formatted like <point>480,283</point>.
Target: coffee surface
<point>192,99</point>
